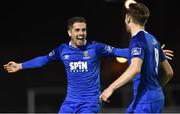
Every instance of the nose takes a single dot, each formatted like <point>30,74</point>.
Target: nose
<point>81,32</point>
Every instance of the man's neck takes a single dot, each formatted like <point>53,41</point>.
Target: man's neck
<point>75,46</point>
<point>135,29</point>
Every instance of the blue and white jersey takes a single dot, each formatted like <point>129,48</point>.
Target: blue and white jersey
<point>146,85</point>
<point>82,67</point>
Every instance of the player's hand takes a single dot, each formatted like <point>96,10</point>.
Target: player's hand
<point>168,53</point>
<point>12,67</point>
<point>106,94</point>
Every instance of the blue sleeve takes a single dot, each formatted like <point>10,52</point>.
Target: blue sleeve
<point>136,48</point>
<point>107,50</point>
<point>42,60</point>
<point>36,62</point>
<point>122,52</point>
<point>54,54</point>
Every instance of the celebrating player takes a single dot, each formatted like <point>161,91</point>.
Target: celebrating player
<point>82,61</point>
<point>146,58</point>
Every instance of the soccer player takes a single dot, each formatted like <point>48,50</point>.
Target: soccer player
<point>82,63</point>
<point>145,59</point>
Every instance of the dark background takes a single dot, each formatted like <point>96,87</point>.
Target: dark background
<point>32,28</point>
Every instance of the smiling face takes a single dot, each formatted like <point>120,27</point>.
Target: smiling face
<point>78,33</point>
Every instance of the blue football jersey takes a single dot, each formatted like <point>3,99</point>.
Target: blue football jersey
<point>82,67</point>
<point>146,85</point>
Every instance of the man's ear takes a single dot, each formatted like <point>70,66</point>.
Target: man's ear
<point>128,19</point>
<point>69,33</point>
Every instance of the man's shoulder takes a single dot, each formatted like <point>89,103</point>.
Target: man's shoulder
<point>93,42</point>
<point>62,46</point>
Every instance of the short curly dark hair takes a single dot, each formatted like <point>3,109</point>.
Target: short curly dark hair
<point>73,20</point>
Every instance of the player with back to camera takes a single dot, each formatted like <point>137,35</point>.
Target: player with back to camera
<point>145,59</point>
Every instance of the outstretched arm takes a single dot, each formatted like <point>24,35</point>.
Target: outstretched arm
<point>122,52</point>
<point>12,66</point>
<point>132,70</point>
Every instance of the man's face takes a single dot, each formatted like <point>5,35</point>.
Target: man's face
<point>78,34</point>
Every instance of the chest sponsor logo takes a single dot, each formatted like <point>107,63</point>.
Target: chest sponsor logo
<point>79,66</point>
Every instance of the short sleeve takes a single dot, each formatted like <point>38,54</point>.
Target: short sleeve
<point>136,48</point>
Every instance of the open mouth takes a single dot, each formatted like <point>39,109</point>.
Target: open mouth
<point>80,37</point>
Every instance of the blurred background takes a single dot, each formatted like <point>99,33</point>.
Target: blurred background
<point>31,28</point>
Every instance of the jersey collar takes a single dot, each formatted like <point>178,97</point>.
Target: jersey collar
<point>138,32</point>
<point>70,43</point>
